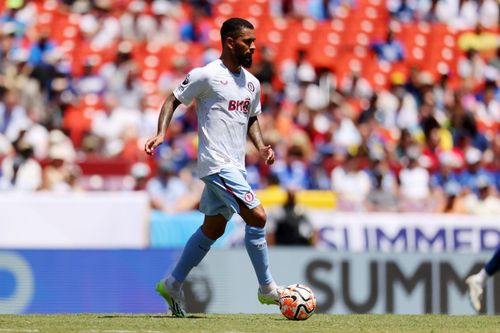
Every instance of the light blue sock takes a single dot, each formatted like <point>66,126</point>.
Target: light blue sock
<point>195,250</point>
<point>256,244</point>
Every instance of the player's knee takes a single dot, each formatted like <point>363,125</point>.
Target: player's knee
<point>260,218</point>
<point>213,232</point>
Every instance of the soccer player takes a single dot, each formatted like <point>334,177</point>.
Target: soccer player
<point>227,103</point>
<point>476,282</point>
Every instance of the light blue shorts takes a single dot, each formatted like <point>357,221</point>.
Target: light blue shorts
<point>224,190</point>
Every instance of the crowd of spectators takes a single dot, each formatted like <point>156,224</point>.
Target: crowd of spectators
<point>422,142</point>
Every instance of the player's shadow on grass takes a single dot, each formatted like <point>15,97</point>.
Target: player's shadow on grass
<point>158,316</point>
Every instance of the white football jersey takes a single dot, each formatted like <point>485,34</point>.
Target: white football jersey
<point>224,103</point>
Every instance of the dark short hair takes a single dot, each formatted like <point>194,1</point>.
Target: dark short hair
<point>232,27</point>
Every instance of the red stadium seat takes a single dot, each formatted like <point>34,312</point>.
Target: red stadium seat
<point>77,122</point>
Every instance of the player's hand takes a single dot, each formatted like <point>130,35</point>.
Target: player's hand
<point>152,143</point>
<point>267,153</point>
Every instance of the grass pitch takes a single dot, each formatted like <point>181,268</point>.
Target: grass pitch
<point>242,323</point>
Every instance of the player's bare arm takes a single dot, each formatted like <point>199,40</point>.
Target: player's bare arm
<point>255,134</point>
<point>166,113</point>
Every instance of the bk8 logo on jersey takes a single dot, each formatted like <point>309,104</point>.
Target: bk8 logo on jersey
<point>241,106</point>
<point>297,302</point>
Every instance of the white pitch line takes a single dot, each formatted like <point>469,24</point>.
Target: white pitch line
<point>17,330</point>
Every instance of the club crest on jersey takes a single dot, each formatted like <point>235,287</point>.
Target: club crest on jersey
<point>249,197</point>
<point>250,86</point>
<point>186,80</point>
<point>241,106</point>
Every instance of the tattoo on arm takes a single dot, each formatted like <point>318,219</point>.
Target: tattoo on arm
<point>166,113</point>
<point>254,132</point>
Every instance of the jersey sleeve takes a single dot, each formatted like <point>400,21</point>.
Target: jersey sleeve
<point>256,108</point>
<point>192,86</point>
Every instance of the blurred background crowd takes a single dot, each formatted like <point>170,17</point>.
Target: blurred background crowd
<point>390,105</point>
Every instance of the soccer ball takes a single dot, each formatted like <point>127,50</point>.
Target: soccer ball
<point>297,302</point>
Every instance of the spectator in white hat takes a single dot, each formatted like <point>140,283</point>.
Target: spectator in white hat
<point>414,183</point>
<point>474,169</point>
<point>449,162</point>
<point>484,202</point>
<point>58,175</point>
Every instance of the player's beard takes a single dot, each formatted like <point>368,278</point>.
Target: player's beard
<point>244,60</point>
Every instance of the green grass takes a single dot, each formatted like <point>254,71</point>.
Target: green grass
<point>240,323</point>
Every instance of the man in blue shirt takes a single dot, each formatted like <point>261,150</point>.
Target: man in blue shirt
<point>389,50</point>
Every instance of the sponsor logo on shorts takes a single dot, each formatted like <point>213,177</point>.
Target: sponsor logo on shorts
<point>186,80</point>
<point>249,197</point>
